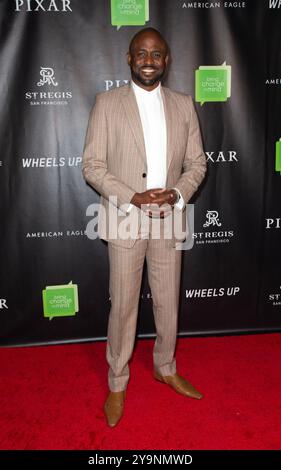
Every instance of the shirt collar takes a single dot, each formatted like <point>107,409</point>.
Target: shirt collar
<point>144,93</point>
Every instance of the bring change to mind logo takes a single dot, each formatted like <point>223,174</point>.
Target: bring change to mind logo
<point>212,83</point>
<point>60,301</point>
<point>129,12</point>
<point>278,156</point>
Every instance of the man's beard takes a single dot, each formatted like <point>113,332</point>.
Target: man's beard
<point>147,81</point>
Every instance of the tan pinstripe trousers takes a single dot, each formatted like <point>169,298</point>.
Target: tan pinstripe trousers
<point>164,271</point>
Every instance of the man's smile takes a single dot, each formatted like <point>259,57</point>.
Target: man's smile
<point>148,70</point>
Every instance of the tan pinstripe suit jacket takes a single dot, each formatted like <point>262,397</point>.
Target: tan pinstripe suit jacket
<point>114,158</point>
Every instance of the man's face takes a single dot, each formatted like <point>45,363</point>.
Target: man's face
<point>148,60</point>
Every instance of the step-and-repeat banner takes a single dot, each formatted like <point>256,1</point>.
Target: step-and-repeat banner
<point>55,55</point>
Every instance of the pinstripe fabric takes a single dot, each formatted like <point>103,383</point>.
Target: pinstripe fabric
<point>126,266</point>
<point>114,157</point>
<point>114,162</point>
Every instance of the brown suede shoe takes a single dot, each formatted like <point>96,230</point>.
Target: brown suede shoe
<point>180,385</point>
<point>113,407</point>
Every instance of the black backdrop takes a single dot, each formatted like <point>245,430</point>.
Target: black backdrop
<point>55,56</point>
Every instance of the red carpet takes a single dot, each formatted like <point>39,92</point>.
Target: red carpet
<point>52,397</point>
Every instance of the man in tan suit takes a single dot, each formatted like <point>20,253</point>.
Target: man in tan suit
<point>143,153</point>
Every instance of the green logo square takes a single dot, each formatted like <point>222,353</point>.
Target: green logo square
<point>60,301</point>
<point>212,83</point>
<point>129,12</point>
<point>278,156</point>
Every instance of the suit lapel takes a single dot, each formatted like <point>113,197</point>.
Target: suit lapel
<point>171,124</point>
<point>131,109</point>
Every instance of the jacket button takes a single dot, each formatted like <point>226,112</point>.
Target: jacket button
<point>144,175</point>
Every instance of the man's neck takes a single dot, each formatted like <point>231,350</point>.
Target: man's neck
<point>146,88</point>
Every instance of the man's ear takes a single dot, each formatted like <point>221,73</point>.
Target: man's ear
<point>129,58</point>
<point>167,59</point>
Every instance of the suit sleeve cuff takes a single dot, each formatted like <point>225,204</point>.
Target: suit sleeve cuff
<point>129,208</point>
<point>180,203</point>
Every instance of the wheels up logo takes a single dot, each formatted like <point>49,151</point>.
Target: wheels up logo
<point>129,12</point>
<point>60,301</point>
<point>212,83</point>
<point>278,156</point>
<point>211,292</point>
<point>274,3</point>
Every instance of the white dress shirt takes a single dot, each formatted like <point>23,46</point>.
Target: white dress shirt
<point>151,110</point>
<point>153,121</point>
